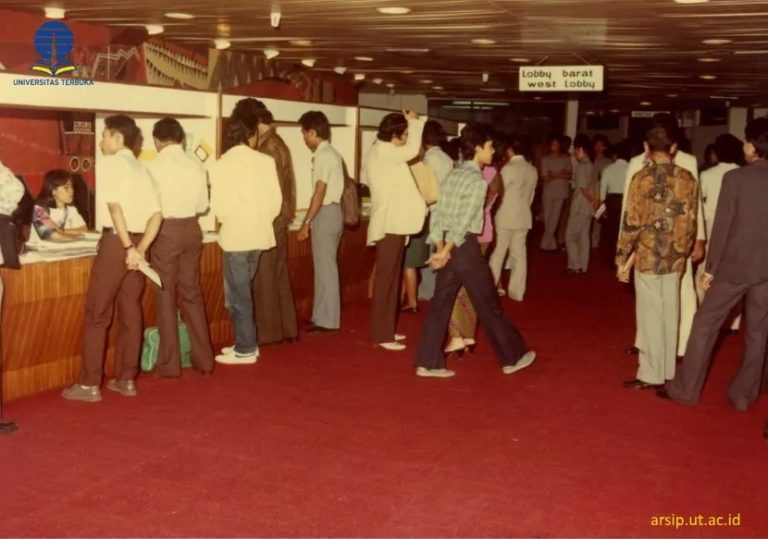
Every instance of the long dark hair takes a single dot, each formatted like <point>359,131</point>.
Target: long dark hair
<point>52,180</point>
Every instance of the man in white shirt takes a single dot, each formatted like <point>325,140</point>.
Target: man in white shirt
<point>325,221</point>
<point>513,218</point>
<point>433,138</point>
<point>128,214</point>
<point>397,211</point>
<point>611,195</point>
<point>245,198</point>
<point>688,297</point>
<point>183,188</point>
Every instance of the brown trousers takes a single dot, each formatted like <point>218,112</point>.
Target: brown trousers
<point>176,257</point>
<point>273,305</point>
<point>386,286</point>
<point>110,280</point>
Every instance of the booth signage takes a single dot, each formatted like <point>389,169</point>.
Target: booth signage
<point>580,78</point>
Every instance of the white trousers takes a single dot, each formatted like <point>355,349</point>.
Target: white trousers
<point>577,241</point>
<point>658,304</point>
<point>552,208</point>
<point>512,242</point>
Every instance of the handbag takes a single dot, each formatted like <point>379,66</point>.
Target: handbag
<point>426,181</point>
<point>350,202</point>
<point>150,348</point>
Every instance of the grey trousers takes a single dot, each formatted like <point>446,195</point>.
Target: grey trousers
<point>552,208</point>
<point>326,235</point>
<point>658,309</point>
<point>717,305</point>
<point>577,241</point>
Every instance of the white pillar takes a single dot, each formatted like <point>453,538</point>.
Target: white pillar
<point>571,117</point>
<point>737,121</point>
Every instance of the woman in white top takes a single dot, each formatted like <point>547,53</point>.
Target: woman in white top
<point>55,218</point>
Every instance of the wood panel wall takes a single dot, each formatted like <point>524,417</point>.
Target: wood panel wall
<point>43,306</point>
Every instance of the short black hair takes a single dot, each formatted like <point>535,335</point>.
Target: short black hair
<point>248,105</point>
<point>601,138</point>
<point>265,116</point>
<point>241,127</point>
<point>729,149</point>
<point>565,143</point>
<point>126,126</point>
<point>659,139</point>
<point>433,134</point>
<point>623,150</point>
<point>168,130</point>
<point>52,180</point>
<point>499,148</point>
<point>315,119</point>
<point>472,136</point>
<point>554,137</point>
<point>757,135</point>
<point>582,141</point>
<point>668,122</point>
<point>392,125</point>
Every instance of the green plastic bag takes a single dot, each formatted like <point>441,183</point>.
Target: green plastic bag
<point>151,346</point>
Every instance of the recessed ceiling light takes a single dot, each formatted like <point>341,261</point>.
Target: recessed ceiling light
<point>54,13</point>
<point>615,111</point>
<point>390,85</point>
<point>179,15</point>
<point>271,52</point>
<point>671,95</point>
<point>394,10</point>
<point>520,60</point>
<point>407,49</point>
<point>359,76</point>
<point>437,87</point>
<point>426,81</point>
<point>645,103</point>
<point>406,71</point>
<point>340,70</point>
<point>363,58</point>
<point>709,60</point>
<point>484,41</point>
<point>717,41</point>
<point>494,90</point>
<point>222,44</point>
<point>154,29</point>
<point>378,81</point>
<point>486,75</point>
<point>537,98</point>
<point>691,1</point>
<point>590,113</point>
<point>728,97</point>
<point>300,42</point>
<point>707,77</point>
<point>309,62</point>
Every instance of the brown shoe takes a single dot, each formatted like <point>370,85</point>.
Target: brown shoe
<point>127,388</point>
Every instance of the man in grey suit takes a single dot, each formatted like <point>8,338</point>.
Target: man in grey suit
<point>737,266</point>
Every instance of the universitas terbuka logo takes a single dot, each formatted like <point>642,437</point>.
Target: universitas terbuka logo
<point>54,42</point>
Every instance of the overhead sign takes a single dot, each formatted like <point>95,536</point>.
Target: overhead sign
<point>647,113</point>
<point>580,78</point>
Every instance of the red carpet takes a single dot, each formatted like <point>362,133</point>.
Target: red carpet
<point>332,437</point>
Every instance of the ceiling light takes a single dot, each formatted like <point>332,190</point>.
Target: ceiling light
<point>309,62</point>
<point>363,58</point>
<point>406,71</point>
<point>709,60</point>
<point>359,76</point>
<point>271,52</point>
<point>671,95</point>
<point>537,98</point>
<point>222,44</point>
<point>590,113</point>
<point>716,41</point>
<point>426,81</point>
<point>437,87</point>
<point>178,15</point>
<point>340,70</point>
<point>645,103</point>
<point>378,81</point>
<point>390,85</point>
<point>520,60</point>
<point>274,17</point>
<point>54,13</point>
<point>485,76</point>
<point>407,49</point>
<point>484,41</point>
<point>300,42</point>
<point>615,111</point>
<point>154,29</point>
<point>394,10</point>
<point>728,97</point>
<point>707,77</point>
<point>691,1</point>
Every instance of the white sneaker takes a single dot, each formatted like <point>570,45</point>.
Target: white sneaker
<point>392,346</point>
<point>229,349</point>
<point>524,362</point>
<point>434,373</point>
<point>237,359</point>
<point>399,337</point>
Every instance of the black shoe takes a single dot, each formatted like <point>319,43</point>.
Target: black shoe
<point>662,394</point>
<point>632,351</point>
<point>639,384</point>
<point>409,310</point>
<point>320,330</point>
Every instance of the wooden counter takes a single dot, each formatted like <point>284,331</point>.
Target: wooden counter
<point>44,303</point>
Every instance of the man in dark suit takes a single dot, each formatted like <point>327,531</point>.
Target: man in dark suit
<point>737,266</point>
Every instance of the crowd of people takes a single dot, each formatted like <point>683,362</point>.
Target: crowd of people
<point>690,243</point>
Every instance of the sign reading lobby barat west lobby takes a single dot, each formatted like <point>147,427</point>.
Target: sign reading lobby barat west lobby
<point>580,78</point>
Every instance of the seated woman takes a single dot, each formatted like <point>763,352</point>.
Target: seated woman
<point>55,218</point>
